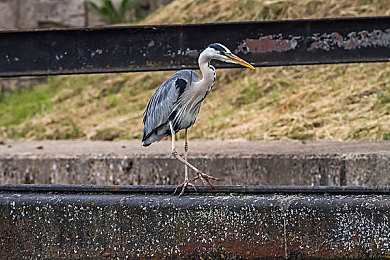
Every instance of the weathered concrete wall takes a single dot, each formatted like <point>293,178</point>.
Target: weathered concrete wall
<point>224,226</point>
<point>49,13</point>
<point>27,14</point>
<point>237,163</point>
<point>30,14</point>
<point>8,14</point>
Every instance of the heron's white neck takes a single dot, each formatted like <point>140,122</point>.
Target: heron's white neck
<point>208,72</point>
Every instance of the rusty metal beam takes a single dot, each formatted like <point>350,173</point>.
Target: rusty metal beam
<point>52,222</point>
<point>172,47</point>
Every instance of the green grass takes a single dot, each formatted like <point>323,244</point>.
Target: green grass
<point>383,98</point>
<point>24,104</point>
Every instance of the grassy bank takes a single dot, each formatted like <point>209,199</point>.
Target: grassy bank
<point>332,102</point>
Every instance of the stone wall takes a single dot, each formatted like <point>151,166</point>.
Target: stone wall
<point>27,14</point>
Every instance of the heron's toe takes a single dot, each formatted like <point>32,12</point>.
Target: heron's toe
<point>183,186</point>
<point>205,178</point>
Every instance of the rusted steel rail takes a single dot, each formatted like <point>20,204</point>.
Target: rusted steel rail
<point>172,47</point>
<point>65,221</point>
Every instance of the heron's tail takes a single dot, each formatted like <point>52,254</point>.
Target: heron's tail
<point>148,140</point>
<point>145,140</point>
<point>155,135</point>
<point>145,144</point>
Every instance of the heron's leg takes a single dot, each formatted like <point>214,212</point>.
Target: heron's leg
<point>186,152</point>
<point>200,174</point>
<point>177,156</point>
<point>186,156</point>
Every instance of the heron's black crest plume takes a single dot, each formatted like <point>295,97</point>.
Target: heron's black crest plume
<point>217,47</point>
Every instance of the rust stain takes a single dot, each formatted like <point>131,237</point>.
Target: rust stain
<point>354,40</point>
<point>337,36</point>
<point>233,249</point>
<point>269,43</point>
<point>351,44</point>
<point>151,43</point>
<point>256,250</point>
<point>114,188</point>
<point>190,247</point>
<point>192,53</point>
<point>109,253</point>
<point>299,250</point>
<point>187,52</point>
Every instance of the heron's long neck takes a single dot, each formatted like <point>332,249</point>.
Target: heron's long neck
<point>208,72</point>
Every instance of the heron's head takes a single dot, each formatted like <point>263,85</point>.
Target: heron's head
<point>219,52</point>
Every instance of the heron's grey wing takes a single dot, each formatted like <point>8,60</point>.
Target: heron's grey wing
<point>163,100</point>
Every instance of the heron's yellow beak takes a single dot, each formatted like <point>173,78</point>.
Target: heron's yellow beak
<point>233,57</point>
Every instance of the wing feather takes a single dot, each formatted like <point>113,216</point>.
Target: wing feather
<point>164,100</point>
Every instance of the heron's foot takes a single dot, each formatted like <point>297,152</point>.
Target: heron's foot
<point>183,186</point>
<point>205,178</point>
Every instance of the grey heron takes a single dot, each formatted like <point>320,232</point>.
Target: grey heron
<point>176,103</point>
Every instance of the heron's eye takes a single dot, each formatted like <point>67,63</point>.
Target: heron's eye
<point>221,52</point>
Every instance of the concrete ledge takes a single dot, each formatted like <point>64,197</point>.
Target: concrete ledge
<point>237,163</point>
<point>217,225</point>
